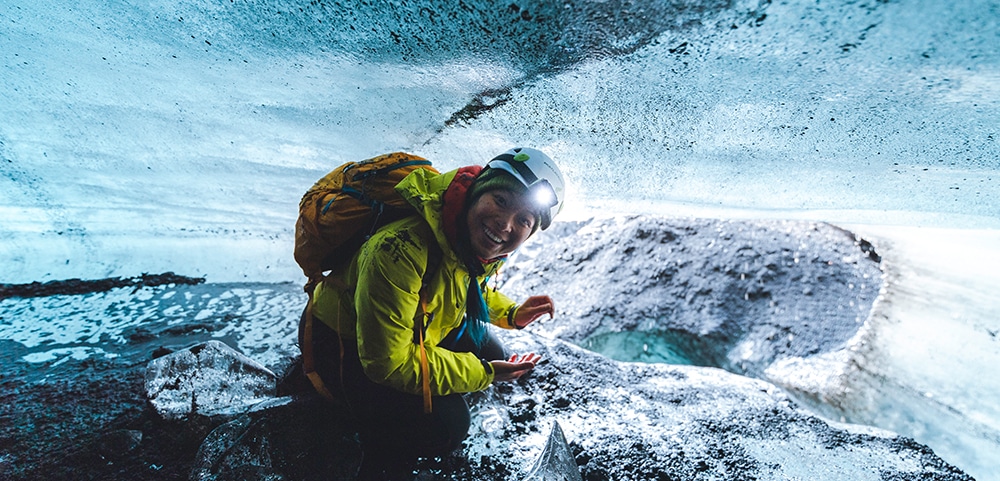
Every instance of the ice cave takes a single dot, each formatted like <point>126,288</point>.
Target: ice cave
<point>778,257</point>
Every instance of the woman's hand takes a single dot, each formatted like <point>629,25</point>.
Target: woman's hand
<point>514,368</point>
<point>532,309</point>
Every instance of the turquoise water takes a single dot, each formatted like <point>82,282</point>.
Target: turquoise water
<point>650,347</point>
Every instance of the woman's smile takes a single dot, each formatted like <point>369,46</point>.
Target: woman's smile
<point>499,222</point>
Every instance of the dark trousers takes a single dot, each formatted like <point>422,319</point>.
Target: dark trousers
<point>392,422</point>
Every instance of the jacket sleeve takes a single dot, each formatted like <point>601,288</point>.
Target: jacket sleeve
<point>501,308</point>
<point>387,298</point>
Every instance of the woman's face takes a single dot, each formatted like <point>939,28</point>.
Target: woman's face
<point>499,222</point>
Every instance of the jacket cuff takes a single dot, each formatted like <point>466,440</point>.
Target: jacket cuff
<point>489,367</point>
<point>510,318</point>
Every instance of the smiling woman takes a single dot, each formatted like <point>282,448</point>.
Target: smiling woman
<point>499,222</point>
<point>402,329</point>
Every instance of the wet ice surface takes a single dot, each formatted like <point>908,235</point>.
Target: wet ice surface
<point>624,421</point>
<point>74,372</point>
<point>259,319</point>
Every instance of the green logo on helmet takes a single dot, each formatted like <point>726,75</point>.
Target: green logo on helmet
<point>521,157</point>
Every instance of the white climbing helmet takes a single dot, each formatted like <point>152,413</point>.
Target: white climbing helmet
<point>539,174</point>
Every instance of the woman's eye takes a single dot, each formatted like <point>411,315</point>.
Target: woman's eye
<point>500,199</point>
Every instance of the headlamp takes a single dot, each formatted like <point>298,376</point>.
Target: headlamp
<point>542,194</point>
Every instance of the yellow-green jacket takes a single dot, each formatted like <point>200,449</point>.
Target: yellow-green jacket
<point>382,297</point>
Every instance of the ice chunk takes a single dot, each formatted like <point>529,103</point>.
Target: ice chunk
<point>207,379</point>
<point>556,463</point>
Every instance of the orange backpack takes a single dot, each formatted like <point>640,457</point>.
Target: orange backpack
<point>344,208</point>
<point>338,214</point>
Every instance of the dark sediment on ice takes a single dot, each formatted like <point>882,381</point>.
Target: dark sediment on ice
<point>88,286</point>
<point>625,421</point>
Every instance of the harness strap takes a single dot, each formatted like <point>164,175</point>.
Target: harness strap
<point>424,317</point>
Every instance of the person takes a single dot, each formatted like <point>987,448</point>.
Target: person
<point>402,328</point>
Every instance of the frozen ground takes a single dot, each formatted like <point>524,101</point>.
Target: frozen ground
<point>745,296</point>
<point>898,344</point>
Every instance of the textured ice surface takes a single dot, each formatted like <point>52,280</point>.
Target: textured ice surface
<point>166,136</point>
<point>207,379</point>
<point>621,421</point>
<point>900,344</point>
<point>178,135</point>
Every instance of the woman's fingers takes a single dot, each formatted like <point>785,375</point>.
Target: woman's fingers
<point>515,367</point>
<point>531,358</point>
<point>533,308</point>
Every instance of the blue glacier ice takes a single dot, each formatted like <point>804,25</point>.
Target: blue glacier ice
<point>177,135</point>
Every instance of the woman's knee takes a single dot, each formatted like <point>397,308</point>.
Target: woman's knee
<point>492,348</point>
<point>449,424</point>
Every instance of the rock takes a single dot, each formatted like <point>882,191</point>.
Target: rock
<point>208,379</point>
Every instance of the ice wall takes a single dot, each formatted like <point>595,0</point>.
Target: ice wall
<point>177,135</point>
<point>857,111</point>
